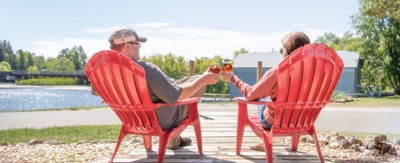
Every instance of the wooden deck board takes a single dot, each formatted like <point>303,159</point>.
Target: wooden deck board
<point>219,145</point>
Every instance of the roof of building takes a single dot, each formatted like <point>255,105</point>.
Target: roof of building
<point>271,59</point>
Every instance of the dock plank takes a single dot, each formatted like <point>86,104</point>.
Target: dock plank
<point>219,145</point>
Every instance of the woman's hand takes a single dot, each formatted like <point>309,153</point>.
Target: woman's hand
<point>227,76</point>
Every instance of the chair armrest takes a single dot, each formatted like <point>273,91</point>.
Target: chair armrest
<point>244,100</point>
<point>183,102</point>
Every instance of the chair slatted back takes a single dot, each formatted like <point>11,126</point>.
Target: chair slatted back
<point>306,81</point>
<point>121,83</point>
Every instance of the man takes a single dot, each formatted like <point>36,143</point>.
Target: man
<point>161,88</point>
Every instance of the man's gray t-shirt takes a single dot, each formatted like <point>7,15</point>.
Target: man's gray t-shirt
<point>163,89</point>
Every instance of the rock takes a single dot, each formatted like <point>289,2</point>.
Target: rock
<point>95,142</point>
<point>386,147</point>
<point>112,141</point>
<point>343,144</point>
<point>303,139</point>
<point>339,138</point>
<point>392,151</point>
<point>52,142</point>
<point>355,147</point>
<point>5,144</point>
<point>334,144</point>
<point>396,142</point>
<point>327,138</point>
<point>373,152</point>
<point>81,142</point>
<point>355,141</point>
<point>371,145</point>
<point>380,138</point>
<point>35,141</point>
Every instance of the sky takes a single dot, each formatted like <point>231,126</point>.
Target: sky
<point>202,28</point>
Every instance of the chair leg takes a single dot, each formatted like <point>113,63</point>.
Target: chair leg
<point>321,158</point>
<point>147,142</point>
<point>162,147</point>
<point>295,142</point>
<point>197,130</point>
<point>268,148</point>
<point>241,123</point>
<point>120,137</point>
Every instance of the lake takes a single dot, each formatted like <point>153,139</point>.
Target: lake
<point>25,98</point>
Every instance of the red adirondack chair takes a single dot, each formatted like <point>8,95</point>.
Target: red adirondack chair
<point>306,81</point>
<point>121,83</point>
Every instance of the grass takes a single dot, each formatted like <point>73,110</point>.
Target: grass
<point>67,134</point>
<point>47,81</point>
<point>88,133</point>
<point>60,109</point>
<point>370,102</point>
<point>72,134</point>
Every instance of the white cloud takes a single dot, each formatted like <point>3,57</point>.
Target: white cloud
<point>102,30</point>
<point>152,25</point>
<point>51,47</point>
<point>182,41</point>
<point>299,24</point>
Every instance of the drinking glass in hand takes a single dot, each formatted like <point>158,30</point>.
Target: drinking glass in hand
<point>215,68</point>
<point>227,67</point>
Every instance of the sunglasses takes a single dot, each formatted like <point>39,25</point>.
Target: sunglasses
<point>138,43</point>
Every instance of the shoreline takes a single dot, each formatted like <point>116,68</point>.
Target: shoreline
<point>14,86</point>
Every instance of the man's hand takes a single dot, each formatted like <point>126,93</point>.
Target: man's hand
<point>209,78</point>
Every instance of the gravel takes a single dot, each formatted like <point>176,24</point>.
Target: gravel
<point>97,150</point>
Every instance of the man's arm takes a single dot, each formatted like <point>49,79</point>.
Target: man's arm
<point>190,88</point>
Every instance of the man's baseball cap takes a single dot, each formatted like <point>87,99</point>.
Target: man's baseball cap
<point>125,35</point>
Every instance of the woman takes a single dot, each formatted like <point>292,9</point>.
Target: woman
<point>268,84</point>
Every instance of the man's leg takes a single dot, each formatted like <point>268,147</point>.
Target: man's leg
<point>179,141</point>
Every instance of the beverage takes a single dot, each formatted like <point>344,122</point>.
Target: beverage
<point>215,68</point>
<point>227,67</point>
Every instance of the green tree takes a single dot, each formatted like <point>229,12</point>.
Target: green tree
<point>173,66</point>
<point>39,62</point>
<point>378,24</point>
<point>2,54</point>
<point>77,55</point>
<point>82,57</point>
<point>33,69</point>
<point>21,60</point>
<point>64,64</point>
<point>51,64</point>
<point>347,42</point>
<point>30,62</point>
<point>241,50</point>
<point>6,46</point>
<point>4,66</point>
<point>9,55</point>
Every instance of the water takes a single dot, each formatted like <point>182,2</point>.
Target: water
<point>32,98</point>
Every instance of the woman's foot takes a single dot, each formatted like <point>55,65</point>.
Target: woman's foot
<point>258,147</point>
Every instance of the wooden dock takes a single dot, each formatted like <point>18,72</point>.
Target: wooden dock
<point>219,144</point>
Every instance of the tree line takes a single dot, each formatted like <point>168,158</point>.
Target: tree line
<point>67,59</point>
<point>377,40</point>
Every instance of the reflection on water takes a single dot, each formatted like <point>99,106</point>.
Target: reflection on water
<point>18,99</point>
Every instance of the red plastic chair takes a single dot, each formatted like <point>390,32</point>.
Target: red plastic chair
<point>121,83</point>
<point>306,81</point>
